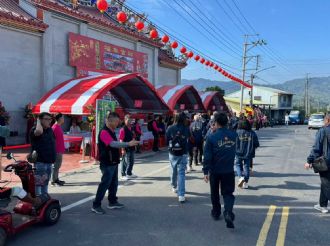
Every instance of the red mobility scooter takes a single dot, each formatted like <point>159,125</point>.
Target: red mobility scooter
<point>30,209</point>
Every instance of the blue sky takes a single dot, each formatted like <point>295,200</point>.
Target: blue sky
<point>296,31</point>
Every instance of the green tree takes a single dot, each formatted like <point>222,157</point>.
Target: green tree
<point>215,88</point>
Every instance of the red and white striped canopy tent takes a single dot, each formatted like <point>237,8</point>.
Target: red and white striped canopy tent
<point>181,97</point>
<point>133,93</point>
<point>214,101</point>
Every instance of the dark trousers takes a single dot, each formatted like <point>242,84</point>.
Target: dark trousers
<point>325,189</point>
<point>156,142</point>
<point>227,183</point>
<point>127,162</point>
<point>196,153</point>
<point>109,181</point>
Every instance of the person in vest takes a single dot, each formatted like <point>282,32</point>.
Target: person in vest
<point>322,148</point>
<point>60,149</point>
<point>42,140</point>
<point>246,144</point>
<point>127,134</point>
<point>218,168</point>
<point>177,137</point>
<point>152,126</point>
<point>109,157</point>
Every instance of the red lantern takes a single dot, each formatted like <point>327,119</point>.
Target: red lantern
<point>202,60</point>
<point>197,57</point>
<point>174,45</point>
<point>165,39</point>
<point>207,63</point>
<point>220,70</point>
<point>121,17</point>
<point>102,5</point>
<point>190,54</point>
<point>153,34</point>
<point>216,67</point>
<point>183,50</point>
<point>139,25</point>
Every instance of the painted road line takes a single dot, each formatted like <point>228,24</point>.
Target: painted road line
<point>265,228</point>
<point>87,199</point>
<point>283,225</point>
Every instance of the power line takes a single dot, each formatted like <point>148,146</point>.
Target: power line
<point>203,28</point>
<point>186,44</point>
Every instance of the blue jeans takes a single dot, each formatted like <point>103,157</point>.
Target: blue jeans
<point>178,174</point>
<point>239,168</point>
<point>127,163</point>
<point>42,175</point>
<point>109,181</point>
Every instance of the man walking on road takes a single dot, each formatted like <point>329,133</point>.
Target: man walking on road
<point>60,149</point>
<point>109,159</point>
<point>322,148</point>
<point>177,137</point>
<point>219,156</point>
<point>127,134</point>
<point>197,130</point>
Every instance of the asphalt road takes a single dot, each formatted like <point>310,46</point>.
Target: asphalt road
<point>277,209</point>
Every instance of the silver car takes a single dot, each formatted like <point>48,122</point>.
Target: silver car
<point>316,121</point>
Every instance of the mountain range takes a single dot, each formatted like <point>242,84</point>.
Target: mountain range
<point>319,88</point>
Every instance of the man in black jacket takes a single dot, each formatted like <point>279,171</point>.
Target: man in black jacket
<point>109,159</point>
<point>322,138</point>
<point>218,168</point>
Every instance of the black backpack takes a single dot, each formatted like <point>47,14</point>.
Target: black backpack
<point>177,144</point>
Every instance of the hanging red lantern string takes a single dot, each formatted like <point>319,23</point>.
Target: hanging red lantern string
<point>202,60</point>
<point>183,50</point>
<point>174,45</point>
<point>190,54</point>
<point>165,39</point>
<point>102,5</point>
<point>121,17</point>
<point>197,57</point>
<point>139,25</point>
<point>153,34</point>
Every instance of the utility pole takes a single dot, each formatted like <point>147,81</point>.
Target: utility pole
<point>245,61</point>
<point>243,71</point>
<point>307,103</point>
<point>252,77</point>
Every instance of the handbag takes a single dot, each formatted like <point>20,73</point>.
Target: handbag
<point>321,164</point>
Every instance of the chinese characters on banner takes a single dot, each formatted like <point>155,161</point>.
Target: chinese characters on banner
<point>97,55</point>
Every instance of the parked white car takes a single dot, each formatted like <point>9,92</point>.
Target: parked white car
<point>316,121</point>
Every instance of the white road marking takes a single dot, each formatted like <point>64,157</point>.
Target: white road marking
<point>87,199</point>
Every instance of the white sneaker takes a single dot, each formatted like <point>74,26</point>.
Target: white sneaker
<point>182,199</point>
<point>240,182</point>
<point>245,185</point>
<point>131,176</point>
<point>175,190</point>
<point>323,210</point>
<point>124,178</point>
<point>189,169</point>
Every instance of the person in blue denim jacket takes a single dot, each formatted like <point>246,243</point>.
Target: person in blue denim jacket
<point>317,151</point>
<point>218,168</point>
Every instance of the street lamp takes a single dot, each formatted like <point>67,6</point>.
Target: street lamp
<point>254,76</point>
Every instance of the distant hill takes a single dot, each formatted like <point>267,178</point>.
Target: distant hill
<point>319,88</point>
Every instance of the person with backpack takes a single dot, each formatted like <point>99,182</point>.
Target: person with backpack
<point>246,144</point>
<point>152,127</point>
<point>177,137</point>
<point>321,148</point>
<point>218,168</point>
